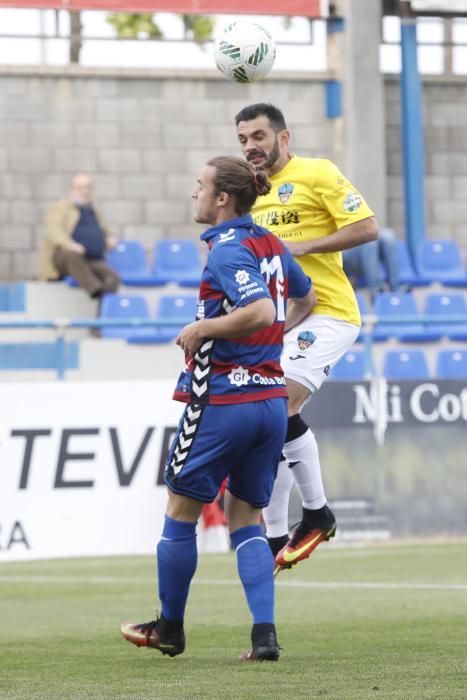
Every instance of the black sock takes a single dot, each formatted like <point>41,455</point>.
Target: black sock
<point>321,517</point>
<point>276,543</point>
<point>263,633</point>
<point>169,628</point>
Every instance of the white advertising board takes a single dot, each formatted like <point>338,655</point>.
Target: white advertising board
<point>80,465</point>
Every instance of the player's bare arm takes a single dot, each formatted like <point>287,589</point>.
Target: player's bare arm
<point>241,322</point>
<point>346,237</point>
<point>298,309</point>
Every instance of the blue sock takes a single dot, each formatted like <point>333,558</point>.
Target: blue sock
<point>256,570</point>
<point>177,557</point>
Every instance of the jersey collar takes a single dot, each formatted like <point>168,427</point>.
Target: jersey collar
<point>281,172</point>
<point>241,221</point>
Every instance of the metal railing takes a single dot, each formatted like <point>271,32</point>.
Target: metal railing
<point>62,325</point>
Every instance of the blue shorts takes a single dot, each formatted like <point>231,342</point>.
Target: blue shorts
<point>241,441</point>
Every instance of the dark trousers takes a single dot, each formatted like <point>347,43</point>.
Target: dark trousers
<point>95,276</point>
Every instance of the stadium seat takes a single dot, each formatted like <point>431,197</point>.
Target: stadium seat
<point>452,364</point>
<point>172,306</point>
<point>407,273</point>
<point>447,305</point>
<point>129,260</point>
<point>116,306</point>
<point>176,261</point>
<point>350,367</point>
<point>362,303</point>
<point>405,364</point>
<point>440,261</point>
<point>12,297</point>
<point>393,304</point>
<point>364,311</point>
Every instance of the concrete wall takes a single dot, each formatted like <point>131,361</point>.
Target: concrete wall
<point>445,117</point>
<point>145,135</point>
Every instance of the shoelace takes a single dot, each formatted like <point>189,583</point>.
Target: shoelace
<point>147,628</point>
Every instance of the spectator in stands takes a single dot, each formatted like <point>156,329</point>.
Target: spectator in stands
<point>76,240</point>
<point>368,261</point>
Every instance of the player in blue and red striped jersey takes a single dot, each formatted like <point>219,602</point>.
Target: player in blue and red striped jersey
<point>235,420</point>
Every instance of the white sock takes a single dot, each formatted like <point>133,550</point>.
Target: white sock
<point>307,471</point>
<point>276,514</point>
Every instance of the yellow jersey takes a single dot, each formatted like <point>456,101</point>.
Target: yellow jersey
<point>310,198</point>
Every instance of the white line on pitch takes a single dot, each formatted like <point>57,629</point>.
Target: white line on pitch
<point>343,585</point>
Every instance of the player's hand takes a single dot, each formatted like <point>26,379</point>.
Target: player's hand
<point>190,338</point>
<point>77,247</point>
<point>298,248</point>
<point>111,242</point>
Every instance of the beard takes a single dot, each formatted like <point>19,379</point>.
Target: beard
<point>269,160</point>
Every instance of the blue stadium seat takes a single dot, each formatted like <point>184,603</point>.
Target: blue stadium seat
<point>172,306</point>
<point>364,310</point>
<point>447,305</point>
<point>350,367</point>
<point>12,297</point>
<point>440,261</point>
<point>392,304</point>
<point>129,260</point>
<point>407,273</point>
<point>452,364</point>
<point>116,306</point>
<point>405,364</point>
<point>362,303</point>
<point>176,261</point>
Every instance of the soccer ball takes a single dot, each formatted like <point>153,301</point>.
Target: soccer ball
<point>244,51</point>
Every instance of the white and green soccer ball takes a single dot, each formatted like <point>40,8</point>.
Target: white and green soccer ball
<point>244,51</point>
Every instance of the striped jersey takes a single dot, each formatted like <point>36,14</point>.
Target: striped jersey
<point>245,263</point>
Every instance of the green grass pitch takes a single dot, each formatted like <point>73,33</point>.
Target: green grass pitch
<point>380,622</point>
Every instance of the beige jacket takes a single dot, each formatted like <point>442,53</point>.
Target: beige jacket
<point>60,222</point>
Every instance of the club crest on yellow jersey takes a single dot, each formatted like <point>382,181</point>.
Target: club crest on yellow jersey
<point>285,192</point>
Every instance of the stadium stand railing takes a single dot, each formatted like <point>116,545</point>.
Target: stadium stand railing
<point>65,315</point>
<point>360,359</point>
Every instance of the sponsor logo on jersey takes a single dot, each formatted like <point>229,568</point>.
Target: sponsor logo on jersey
<point>305,340</point>
<point>242,277</point>
<point>200,312</point>
<point>239,376</point>
<point>352,202</point>
<point>229,236</point>
<point>285,192</point>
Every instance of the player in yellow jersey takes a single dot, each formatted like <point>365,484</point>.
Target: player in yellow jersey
<point>317,213</point>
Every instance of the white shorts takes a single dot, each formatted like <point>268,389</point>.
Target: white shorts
<point>313,347</point>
